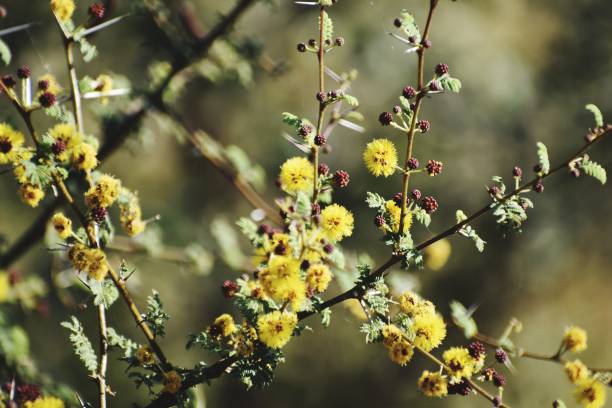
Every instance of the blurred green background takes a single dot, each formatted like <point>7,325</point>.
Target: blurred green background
<point>528,68</point>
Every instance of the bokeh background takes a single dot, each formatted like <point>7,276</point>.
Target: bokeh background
<point>528,68</point>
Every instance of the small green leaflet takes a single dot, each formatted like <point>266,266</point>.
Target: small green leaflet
<point>463,319</point>
<point>104,293</point>
<point>39,176</point>
<point>469,232</point>
<point>81,344</point>
<point>543,157</point>
<point>409,26</point>
<point>5,53</point>
<point>375,201</point>
<point>351,100</point>
<point>328,28</point>
<point>422,216</point>
<point>292,120</point>
<point>599,122</point>
<point>451,84</point>
<point>594,170</point>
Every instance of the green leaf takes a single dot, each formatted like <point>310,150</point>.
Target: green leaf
<point>451,84</point>
<point>469,232</point>
<point>543,157</point>
<point>249,229</point>
<point>38,175</point>
<point>409,26</point>
<point>81,345</point>
<point>422,216</point>
<point>328,28</point>
<point>599,122</point>
<point>104,293</point>
<point>594,170</point>
<point>302,204</point>
<point>115,339</point>
<point>351,100</point>
<point>5,53</point>
<point>375,200</point>
<point>292,120</point>
<point>156,317</point>
<point>463,319</point>
<point>326,317</point>
<point>88,50</point>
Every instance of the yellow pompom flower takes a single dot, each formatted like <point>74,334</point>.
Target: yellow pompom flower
<point>68,135</point>
<point>336,222</point>
<point>104,193</point>
<point>223,325</point>
<point>401,352</point>
<point>31,195</point>
<point>5,287</point>
<point>51,85</point>
<point>318,277</point>
<point>590,393</point>
<point>104,84</point>
<point>380,157</point>
<point>45,402</point>
<point>244,340</point>
<point>62,225</point>
<point>130,213</point>
<point>574,339</point>
<point>395,213</point>
<point>433,385</point>
<point>429,330</point>
<point>275,328</point>
<point>145,355</point>
<point>297,174</point>
<point>459,361</point>
<point>391,335</point>
<point>11,142</point>
<point>437,254</point>
<point>576,371</point>
<point>92,261</point>
<point>63,9</point>
<point>172,382</point>
<point>411,304</point>
<point>84,157</point>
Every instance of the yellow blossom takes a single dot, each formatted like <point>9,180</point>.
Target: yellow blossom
<point>433,384</point>
<point>104,84</point>
<point>172,382</point>
<point>31,195</point>
<point>429,330</point>
<point>336,222</point>
<point>395,213</point>
<point>576,371</point>
<point>318,277</point>
<point>84,157</point>
<point>590,393</point>
<point>45,402</point>
<point>145,355</point>
<point>223,325</point>
<point>275,328</point>
<point>297,174</point>
<point>5,287</point>
<point>380,157</point>
<point>104,193</point>
<point>391,335</point>
<point>63,9</point>
<point>411,304</point>
<point>130,214</point>
<point>437,254</point>
<point>459,361</point>
<point>401,352</point>
<point>62,225</point>
<point>68,136</point>
<point>51,84</point>
<point>575,339</point>
<point>244,340</point>
<point>11,142</point>
<point>93,261</point>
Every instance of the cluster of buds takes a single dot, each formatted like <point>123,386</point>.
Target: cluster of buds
<point>312,45</point>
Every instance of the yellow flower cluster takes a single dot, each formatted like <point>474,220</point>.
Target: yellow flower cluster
<point>576,371</point>
<point>428,328</point>
<point>460,363</point>
<point>318,277</point>
<point>45,402</point>
<point>589,392</point>
<point>63,9</point>
<point>62,225</point>
<point>130,213</point>
<point>433,385</point>
<point>336,222</point>
<point>400,349</point>
<point>395,212</point>
<point>91,260</point>
<point>104,193</point>
<point>11,144</point>
<point>574,339</point>
<point>31,195</point>
<point>275,328</point>
<point>380,157</point>
<point>223,326</point>
<point>51,85</point>
<point>297,174</point>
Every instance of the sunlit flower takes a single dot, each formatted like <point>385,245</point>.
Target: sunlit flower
<point>5,286</point>
<point>318,277</point>
<point>391,334</point>
<point>395,213</point>
<point>104,193</point>
<point>223,325</point>
<point>413,305</point>
<point>575,339</point>
<point>45,402</point>
<point>62,225</point>
<point>401,352</point>
<point>275,328</point>
<point>433,384</point>
<point>380,157</point>
<point>459,361</point>
<point>437,254</point>
<point>297,174</point>
<point>63,9</point>
<point>590,393</point>
<point>11,142</point>
<point>104,84</point>
<point>31,195</point>
<point>84,157</point>
<point>130,213</point>
<point>576,371</point>
<point>429,330</point>
<point>336,222</point>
